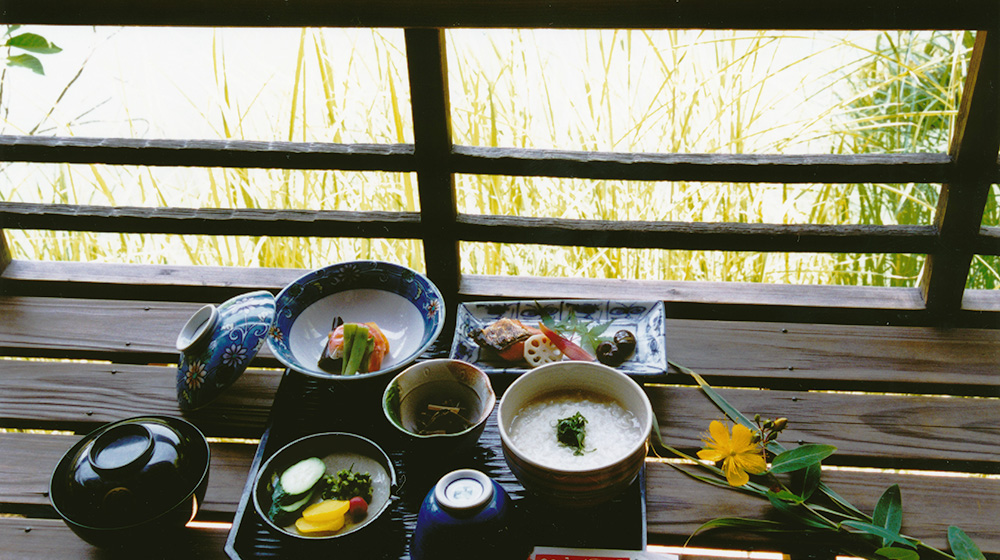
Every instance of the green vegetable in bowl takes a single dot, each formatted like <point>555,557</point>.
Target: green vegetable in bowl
<point>347,484</point>
<point>302,476</point>
<point>571,432</point>
<point>294,488</point>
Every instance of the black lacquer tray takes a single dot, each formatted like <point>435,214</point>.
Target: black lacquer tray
<point>304,405</point>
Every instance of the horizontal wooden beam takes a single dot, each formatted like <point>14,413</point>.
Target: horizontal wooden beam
<point>859,305</point>
<point>748,168</point>
<point>710,300</point>
<point>208,153</point>
<point>210,221</point>
<point>479,228</point>
<point>760,168</point>
<point>34,396</point>
<point>713,14</point>
<point>700,292</point>
<point>807,238</point>
<point>988,241</point>
<point>39,538</point>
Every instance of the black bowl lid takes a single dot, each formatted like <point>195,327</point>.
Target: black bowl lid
<point>129,471</point>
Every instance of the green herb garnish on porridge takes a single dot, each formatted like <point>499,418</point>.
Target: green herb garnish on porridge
<point>571,432</point>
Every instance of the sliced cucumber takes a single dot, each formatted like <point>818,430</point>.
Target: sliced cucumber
<point>296,506</point>
<point>287,514</point>
<point>302,476</point>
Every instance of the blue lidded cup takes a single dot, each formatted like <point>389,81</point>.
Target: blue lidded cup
<point>465,515</point>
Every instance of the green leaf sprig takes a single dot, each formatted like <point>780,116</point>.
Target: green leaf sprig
<point>833,515</point>
<point>589,332</point>
<point>572,432</point>
<point>31,43</point>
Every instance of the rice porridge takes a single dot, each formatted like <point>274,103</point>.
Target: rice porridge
<point>611,431</point>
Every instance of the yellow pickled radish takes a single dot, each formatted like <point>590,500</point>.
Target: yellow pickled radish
<point>309,526</point>
<point>326,510</point>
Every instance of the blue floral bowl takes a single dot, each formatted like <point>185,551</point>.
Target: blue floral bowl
<point>406,306</point>
<point>217,344</point>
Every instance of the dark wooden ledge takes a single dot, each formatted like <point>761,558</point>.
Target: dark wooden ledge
<point>705,14</point>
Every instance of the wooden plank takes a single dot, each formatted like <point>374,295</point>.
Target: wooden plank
<point>715,14</point>
<point>867,429</point>
<point>34,395</point>
<point>211,221</point>
<point>29,460</point>
<point>851,358</point>
<point>33,539</point>
<point>744,301</point>
<point>481,228</point>
<point>97,329</point>
<point>989,241</point>
<point>427,66</point>
<point>761,168</point>
<point>873,430</point>
<point>981,300</point>
<point>677,506</point>
<point>41,539</point>
<point>698,236</point>
<point>214,284</point>
<point>757,295</point>
<point>791,168</point>
<point>961,361</point>
<point>208,153</point>
<point>974,146</point>
<point>150,275</point>
<point>709,300</point>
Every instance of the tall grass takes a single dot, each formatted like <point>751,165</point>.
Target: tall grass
<point>709,92</point>
<point>662,91</point>
<point>906,95</point>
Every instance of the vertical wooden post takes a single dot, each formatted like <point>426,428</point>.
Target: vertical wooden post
<point>974,148</point>
<point>5,256</point>
<point>428,70</point>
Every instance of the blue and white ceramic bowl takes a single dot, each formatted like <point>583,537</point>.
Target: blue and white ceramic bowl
<point>217,344</point>
<point>405,305</point>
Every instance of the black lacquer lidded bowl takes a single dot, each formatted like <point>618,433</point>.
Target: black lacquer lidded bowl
<point>132,481</point>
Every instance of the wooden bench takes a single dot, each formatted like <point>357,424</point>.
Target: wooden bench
<point>903,381</point>
<point>915,406</point>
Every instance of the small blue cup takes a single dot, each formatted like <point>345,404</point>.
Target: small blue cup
<point>466,515</point>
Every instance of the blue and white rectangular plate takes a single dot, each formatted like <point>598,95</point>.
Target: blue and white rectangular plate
<point>646,319</point>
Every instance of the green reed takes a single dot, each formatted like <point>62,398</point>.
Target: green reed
<point>627,90</point>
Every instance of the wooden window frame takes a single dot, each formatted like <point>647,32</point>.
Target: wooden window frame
<point>965,173</point>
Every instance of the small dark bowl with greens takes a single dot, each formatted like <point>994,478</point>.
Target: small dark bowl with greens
<point>324,487</point>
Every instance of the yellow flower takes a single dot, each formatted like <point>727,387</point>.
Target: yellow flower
<point>739,455</point>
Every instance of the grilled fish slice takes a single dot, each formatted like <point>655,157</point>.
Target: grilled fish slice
<point>502,334</point>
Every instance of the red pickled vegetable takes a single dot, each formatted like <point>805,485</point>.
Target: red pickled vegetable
<point>358,507</point>
<point>569,348</point>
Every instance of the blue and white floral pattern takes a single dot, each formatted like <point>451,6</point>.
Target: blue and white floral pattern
<point>207,369</point>
<point>646,319</point>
